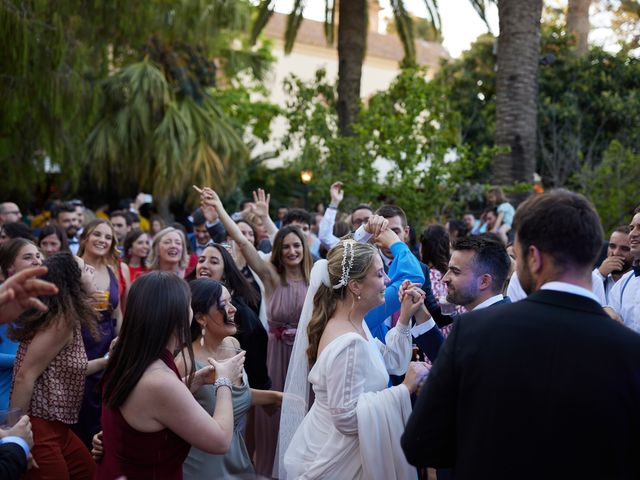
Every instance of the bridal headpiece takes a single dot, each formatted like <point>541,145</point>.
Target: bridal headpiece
<point>347,263</point>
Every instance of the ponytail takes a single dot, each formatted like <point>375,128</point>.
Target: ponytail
<point>324,306</point>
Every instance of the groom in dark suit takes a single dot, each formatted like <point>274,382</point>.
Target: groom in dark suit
<point>546,388</point>
<point>476,276</point>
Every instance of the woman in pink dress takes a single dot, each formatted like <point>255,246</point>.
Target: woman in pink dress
<point>286,280</point>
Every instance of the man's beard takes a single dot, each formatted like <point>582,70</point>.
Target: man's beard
<point>72,231</point>
<point>525,279</point>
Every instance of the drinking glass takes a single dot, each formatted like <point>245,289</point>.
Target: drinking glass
<point>9,417</point>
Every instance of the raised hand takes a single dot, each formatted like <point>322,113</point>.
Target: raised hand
<point>260,204</point>
<point>208,197</point>
<point>20,293</point>
<point>386,238</point>
<point>411,300</point>
<point>336,192</point>
<point>376,225</point>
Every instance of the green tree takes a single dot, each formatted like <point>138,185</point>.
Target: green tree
<point>613,185</point>
<point>410,127</point>
<point>124,75</point>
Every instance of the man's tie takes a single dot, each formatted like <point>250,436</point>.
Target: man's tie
<point>636,270</point>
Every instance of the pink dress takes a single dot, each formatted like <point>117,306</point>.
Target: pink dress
<point>284,309</point>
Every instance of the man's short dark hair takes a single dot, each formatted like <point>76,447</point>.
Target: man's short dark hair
<point>124,214</point>
<point>626,229</point>
<point>390,211</point>
<point>63,207</point>
<point>636,210</point>
<point>198,217</point>
<point>17,230</point>
<point>490,257</point>
<point>562,224</point>
<point>296,215</point>
<point>362,206</point>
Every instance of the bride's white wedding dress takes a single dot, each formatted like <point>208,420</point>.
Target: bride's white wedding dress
<point>353,429</point>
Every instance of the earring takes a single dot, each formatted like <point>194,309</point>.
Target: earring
<point>358,297</point>
<point>202,337</point>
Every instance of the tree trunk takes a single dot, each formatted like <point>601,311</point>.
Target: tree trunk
<point>517,90</point>
<point>352,39</point>
<point>578,24</point>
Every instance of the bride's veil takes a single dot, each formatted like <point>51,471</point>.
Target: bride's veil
<point>296,387</point>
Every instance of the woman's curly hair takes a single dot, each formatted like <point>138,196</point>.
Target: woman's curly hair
<point>71,303</point>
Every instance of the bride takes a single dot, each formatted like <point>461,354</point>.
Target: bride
<point>354,426</point>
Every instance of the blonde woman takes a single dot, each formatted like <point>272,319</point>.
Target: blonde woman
<point>169,252</point>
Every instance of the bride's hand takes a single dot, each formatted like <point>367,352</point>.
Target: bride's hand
<point>416,375</point>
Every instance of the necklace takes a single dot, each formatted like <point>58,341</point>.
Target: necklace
<point>355,326</point>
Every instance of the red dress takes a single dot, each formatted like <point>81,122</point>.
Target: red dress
<point>139,455</point>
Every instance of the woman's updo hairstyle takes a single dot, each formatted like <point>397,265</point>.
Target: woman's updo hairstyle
<point>347,260</point>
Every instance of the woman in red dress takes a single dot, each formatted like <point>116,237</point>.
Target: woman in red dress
<point>150,418</point>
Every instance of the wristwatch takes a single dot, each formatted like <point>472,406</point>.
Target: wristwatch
<point>223,382</point>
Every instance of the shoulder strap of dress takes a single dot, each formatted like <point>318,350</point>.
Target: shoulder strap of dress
<point>167,358</point>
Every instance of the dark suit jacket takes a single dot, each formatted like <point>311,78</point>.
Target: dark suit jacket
<point>13,462</point>
<point>545,388</point>
<point>430,342</point>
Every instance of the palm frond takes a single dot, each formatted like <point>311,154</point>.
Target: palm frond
<point>330,20</point>
<point>480,6</point>
<point>433,14</point>
<point>265,10</point>
<point>293,25</point>
<point>404,26</point>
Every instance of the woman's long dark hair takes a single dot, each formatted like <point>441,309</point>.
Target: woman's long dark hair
<point>71,303</point>
<point>129,240</point>
<point>205,293</point>
<point>235,281</point>
<point>157,308</point>
<point>276,254</point>
<point>52,229</point>
<point>435,247</point>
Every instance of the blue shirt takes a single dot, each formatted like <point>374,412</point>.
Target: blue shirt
<point>404,266</point>
<point>8,349</point>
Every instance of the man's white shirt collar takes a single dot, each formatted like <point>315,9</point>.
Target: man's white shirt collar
<point>489,301</point>
<point>570,288</point>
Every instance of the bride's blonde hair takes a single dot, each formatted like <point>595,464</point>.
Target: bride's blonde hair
<point>348,260</point>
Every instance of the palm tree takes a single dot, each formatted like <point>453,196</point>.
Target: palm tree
<point>352,36</point>
<point>578,24</point>
<point>517,90</point>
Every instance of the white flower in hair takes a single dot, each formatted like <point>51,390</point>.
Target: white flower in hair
<point>347,263</point>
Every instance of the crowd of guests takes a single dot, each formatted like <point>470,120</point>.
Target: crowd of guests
<point>236,346</point>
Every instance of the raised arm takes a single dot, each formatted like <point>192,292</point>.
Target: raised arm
<point>405,266</point>
<point>260,207</point>
<point>325,229</point>
<point>263,268</point>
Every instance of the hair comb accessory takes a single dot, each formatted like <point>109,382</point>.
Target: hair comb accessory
<point>347,263</point>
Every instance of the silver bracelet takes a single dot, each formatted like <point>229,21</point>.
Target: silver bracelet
<point>404,330</point>
<point>223,382</point>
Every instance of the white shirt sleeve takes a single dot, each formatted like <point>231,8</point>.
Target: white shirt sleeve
<point>325,229</point>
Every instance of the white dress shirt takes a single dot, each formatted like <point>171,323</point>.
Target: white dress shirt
<point>624,298</point>
<point>516,293</point>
